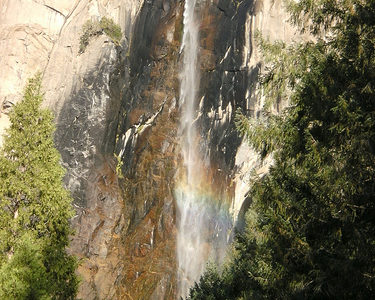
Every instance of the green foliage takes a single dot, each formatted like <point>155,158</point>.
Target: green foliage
<point>95,28</point>
<point>89,30</point>
<point>310,230</point>
<point>111,29</point>
<point>209,286</point>
<point>265,136</point>
<point>24,276</point>
<point>33,201</point>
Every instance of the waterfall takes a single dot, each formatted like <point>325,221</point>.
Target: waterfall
<point>202,224</point>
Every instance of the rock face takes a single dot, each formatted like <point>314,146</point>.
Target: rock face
<point>117,119</point>
<point>28,31</point>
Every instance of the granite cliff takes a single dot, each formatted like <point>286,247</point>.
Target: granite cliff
<point>117,117</point>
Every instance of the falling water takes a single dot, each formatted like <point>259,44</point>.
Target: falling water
<point>202,225</point>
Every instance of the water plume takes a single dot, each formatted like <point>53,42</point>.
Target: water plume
<point>203,222</point>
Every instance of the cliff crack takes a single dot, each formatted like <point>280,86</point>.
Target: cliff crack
<point>234,70</point>
<point>55,10</point>
<point>61,29</point>
<point>222,10</point>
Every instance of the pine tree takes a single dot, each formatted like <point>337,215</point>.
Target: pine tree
<point>310,230</point>
<point>35,208</point>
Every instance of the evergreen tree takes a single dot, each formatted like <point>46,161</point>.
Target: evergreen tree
<point>34,207</point>
<point>311,228</point>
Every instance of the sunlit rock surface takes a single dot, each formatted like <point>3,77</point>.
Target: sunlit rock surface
<point>117,121</point>
<point>28,31</point>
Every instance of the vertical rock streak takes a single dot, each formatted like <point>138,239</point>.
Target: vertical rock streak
<point>202,226</point>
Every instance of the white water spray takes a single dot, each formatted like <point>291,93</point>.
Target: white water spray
<point>189,78</point>
<point>202,226</point>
